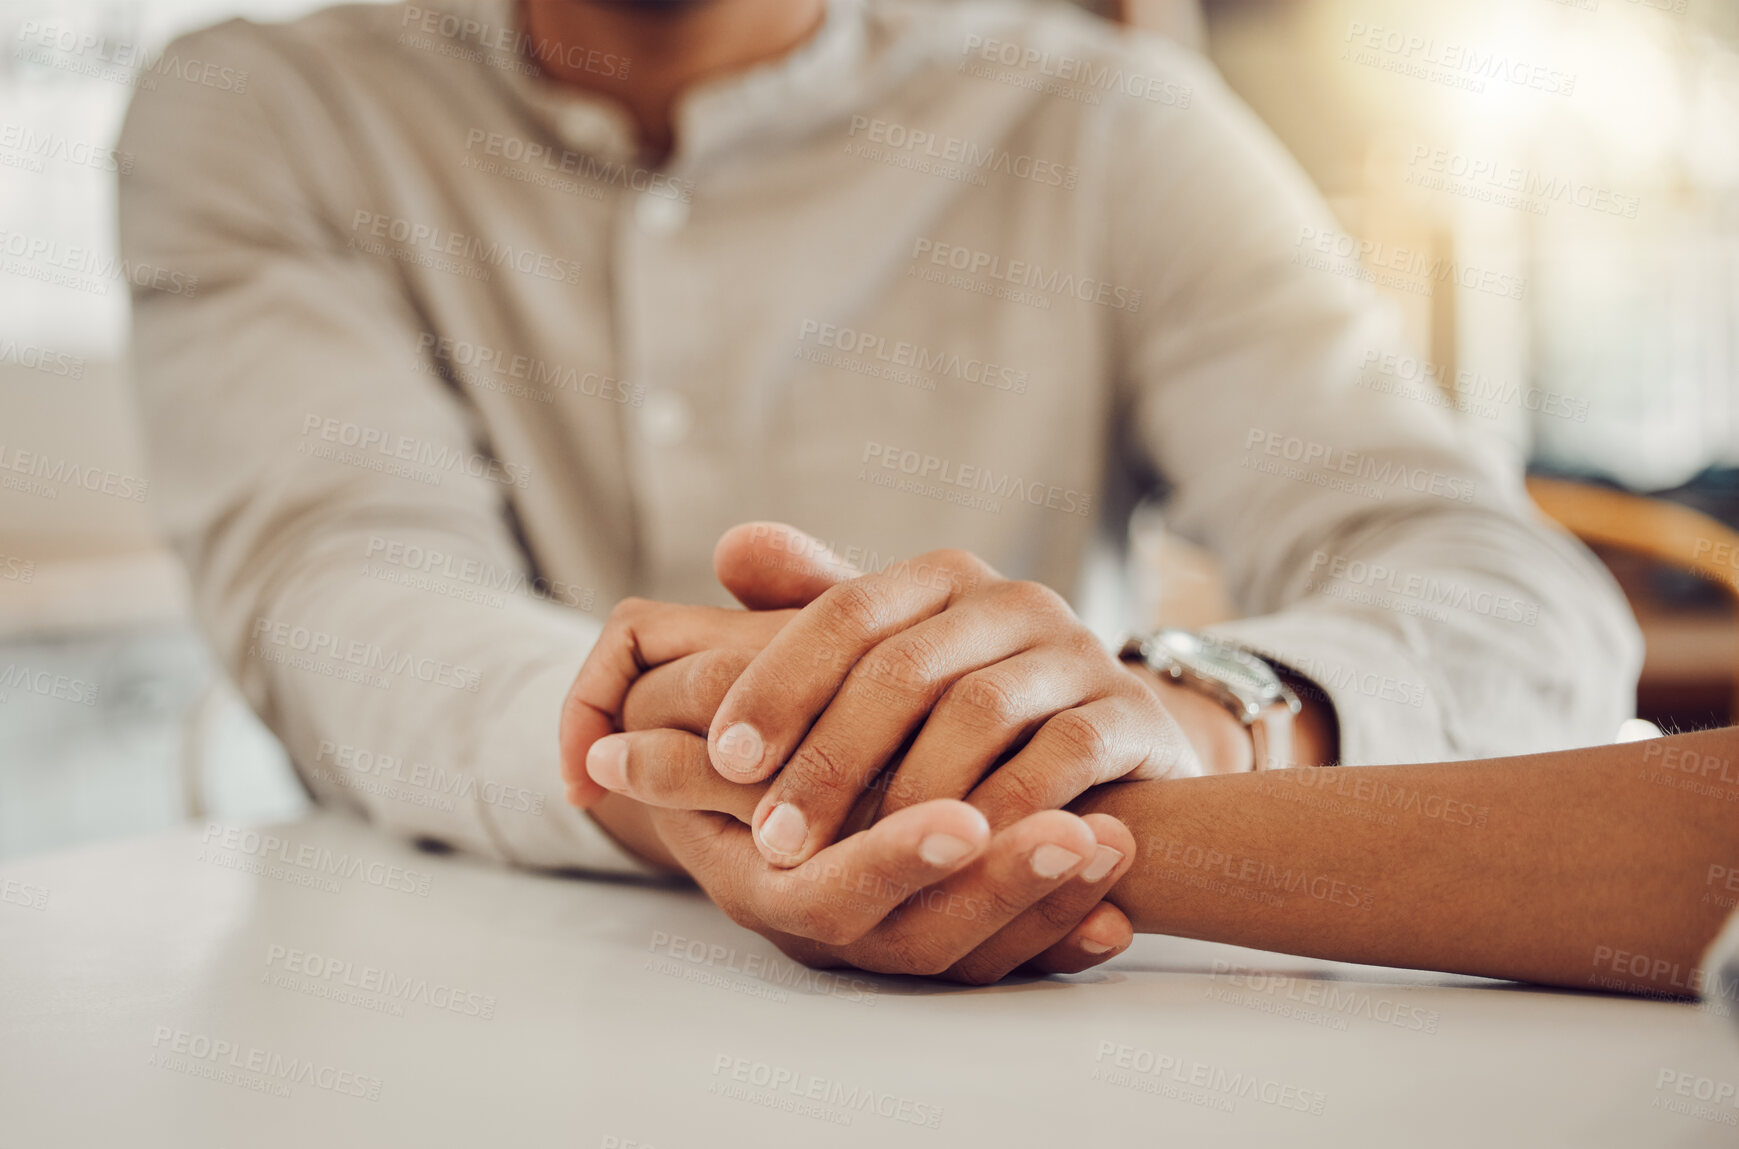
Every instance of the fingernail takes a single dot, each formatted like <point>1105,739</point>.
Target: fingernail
<point>1048,861</point>
<point>607,763</point>
<point>741,747</point>
<point>1094,947</point>
<point>1105,859</point>
<point>943,849</point>
<point>784,831</point>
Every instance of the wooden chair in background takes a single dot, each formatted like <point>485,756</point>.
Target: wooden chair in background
<point>1663,532</point>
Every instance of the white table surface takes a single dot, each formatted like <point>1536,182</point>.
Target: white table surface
<point>604,1030</point>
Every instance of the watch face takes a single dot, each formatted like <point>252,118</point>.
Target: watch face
<point>1251,679</point>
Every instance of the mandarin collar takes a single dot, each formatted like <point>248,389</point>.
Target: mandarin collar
<point>817,82</point>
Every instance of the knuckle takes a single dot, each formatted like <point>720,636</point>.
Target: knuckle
<point>629,610</point>
<point>817,771</point>
<point>955,558</point>
<point>1082,737</point>
<point>1059,913</point>
<point>910,664</point>
<point>1084,644</point>
<point>634,771</point>
<point>712,673</point>
<point>651,777</point>
<point>988,699</point>
<point>1006,902</point>
<point>856,608</point>
<point>974,970</point>
<point>615,640</point>
<point>899,791</point>
<point>967,572</point>
<point>913,953</point>
<point>1023,791</point>
<point>1035,598</point>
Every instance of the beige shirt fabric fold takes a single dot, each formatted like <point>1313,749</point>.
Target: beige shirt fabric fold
<point>434,372</point>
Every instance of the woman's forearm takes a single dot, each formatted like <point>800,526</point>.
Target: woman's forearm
<point>1610,867</point>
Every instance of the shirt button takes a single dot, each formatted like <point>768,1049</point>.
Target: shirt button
<point>665,418</point>
<point>660,214</point>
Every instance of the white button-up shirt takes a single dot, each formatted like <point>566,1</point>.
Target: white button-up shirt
<point>438,370</point>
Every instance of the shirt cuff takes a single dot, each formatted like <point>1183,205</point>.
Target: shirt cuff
<point>524,807</point>
<point>1385,707</point>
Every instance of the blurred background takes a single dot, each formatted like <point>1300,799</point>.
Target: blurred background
<point>1595,164</point>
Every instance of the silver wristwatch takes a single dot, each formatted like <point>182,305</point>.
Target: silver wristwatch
<point>1244,683</point>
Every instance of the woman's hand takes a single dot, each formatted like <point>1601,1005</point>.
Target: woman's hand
<point>929,890</point>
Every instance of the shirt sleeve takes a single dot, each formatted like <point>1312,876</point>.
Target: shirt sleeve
<point>295,445</point>
<point>1379,545</point>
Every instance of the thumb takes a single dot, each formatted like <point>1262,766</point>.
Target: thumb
<point>773,566</point>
